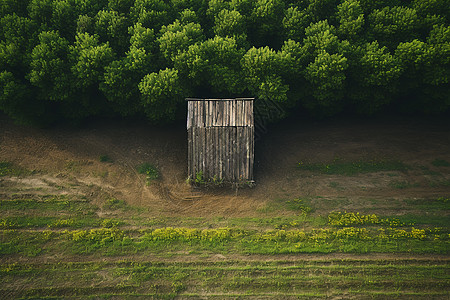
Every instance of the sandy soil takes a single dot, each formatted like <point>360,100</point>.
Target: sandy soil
<point>66,161</point>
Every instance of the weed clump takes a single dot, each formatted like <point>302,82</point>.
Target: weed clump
<point>149,170</point>
<point>114,204</point>
<point>339,167</point>
<point>105,158</point>
<point>440,163</point>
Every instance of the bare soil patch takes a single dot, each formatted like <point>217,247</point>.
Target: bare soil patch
<point>67,161</point>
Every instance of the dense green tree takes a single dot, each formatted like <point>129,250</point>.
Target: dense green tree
<point>327,78</point>
<point>392,25</point>
<point>266,23</point>
<point>41,12</point>
<point>50,67</point>
<point>113,28</point>
<point>90,58</point>
<point>432,7</point>
<point>18,37</point>
<point>374,74</point>
<point>295,22</point>
<point>122,77</point>
<point>213,66</point>
<point>230,23</point>
<point>14,6</point>
<point>121,6</point>
<point>369,5</point>
<point>263,70</point>
<point>322,9</point>
<point>85,23</point>
<point>16,100</point>
<point>64,18</point>
<point>425,81</point>
<point>177,37</point>
<point>151,13</point>
<point>351,19</point>
<point>77,58</point>
<point>322,36</point>
<point>161,94</point>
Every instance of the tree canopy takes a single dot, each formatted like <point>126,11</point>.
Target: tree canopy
<point>77,58</point>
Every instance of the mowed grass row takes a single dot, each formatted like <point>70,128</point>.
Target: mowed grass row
<point>70,229</point>
<point>229,279</point>
<point>53,226</point>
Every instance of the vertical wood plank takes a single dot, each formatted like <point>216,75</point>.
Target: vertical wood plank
<point>197,118</point>
<point>213,150</point>
<point>230,153</point>
<point>189,115</point>
<point>241,152</point>
<point>213,113</point>
<point>223,112</point>
<point>194,151</point>
<point>249,153</point>
<point>218,153</point>
<point>241,112</point>
<point>216,113</point>
<point>212,146</point>
<point>252,149</point>
<point>245,154</point>
<point>252,120</point>
<point>220,145</point>
<point>218,121</point>
<point>236,153</point>
<point>230,119</point>
<point>207,124</point>
<point>225,153</point>
<point>228,109</point>
<point>209,146</point>
<point>200,150</point>
<point>241,115</point>
<point>202,114</point>
<point>195,147</point>
<point>244,113</point>
<point>189,151</point>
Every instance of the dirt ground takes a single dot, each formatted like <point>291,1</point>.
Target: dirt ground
<point>67,161</point>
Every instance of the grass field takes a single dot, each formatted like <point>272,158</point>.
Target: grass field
<point>338,212</point>
<point>59,246</point>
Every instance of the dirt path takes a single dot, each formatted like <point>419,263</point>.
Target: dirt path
<point>66,160</point>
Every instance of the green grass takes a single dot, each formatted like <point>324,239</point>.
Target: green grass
<point>440,163</point>
<point>230,279</point>
<point>105,158</point>
<point>149,170</point>
<point>439,204</point>
<point>127,254</point>
<point>398,184</point>
<point>346,168</point>
<point>9,169</point>
<point>50,203</point>
<point>115,204</point>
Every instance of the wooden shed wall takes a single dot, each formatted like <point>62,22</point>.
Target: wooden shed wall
<point>221,138</point>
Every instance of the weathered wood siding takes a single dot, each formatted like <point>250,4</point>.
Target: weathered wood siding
<point>221,138</point>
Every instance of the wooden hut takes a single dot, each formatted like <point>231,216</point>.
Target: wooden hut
<point>221,139</point>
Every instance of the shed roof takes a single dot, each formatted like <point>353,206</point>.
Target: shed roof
<point>236,112</point>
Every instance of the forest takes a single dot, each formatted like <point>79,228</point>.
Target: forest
<point>74,59</point>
